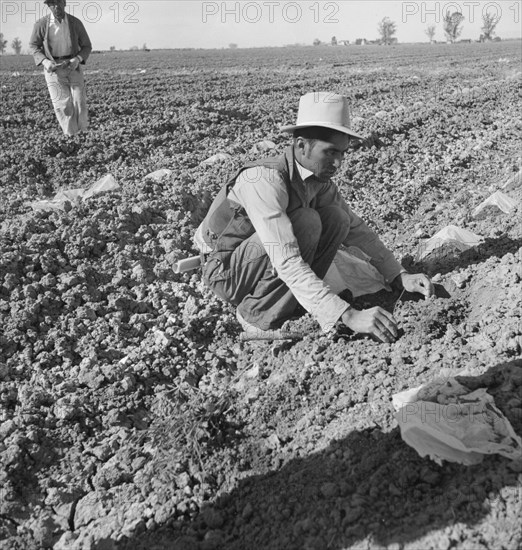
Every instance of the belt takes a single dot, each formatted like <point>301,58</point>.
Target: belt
<point>66,58</point>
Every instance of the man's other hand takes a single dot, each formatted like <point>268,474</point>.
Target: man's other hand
<point>375,321</point>
<point>73,63</point>
<point>49,66</point>
<point>417,282</point>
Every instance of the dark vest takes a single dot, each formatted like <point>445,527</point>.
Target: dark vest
<point>227,225</point>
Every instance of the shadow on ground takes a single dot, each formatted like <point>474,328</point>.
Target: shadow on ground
<point>368,486</point>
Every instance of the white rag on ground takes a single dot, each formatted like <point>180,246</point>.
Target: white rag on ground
<point>499,200</point>
<point>158,175</point>
<point>462,239</point>
<point>218,157</point>
<point>514,182</point>
<point>65,198</point>
<point>446,421</point>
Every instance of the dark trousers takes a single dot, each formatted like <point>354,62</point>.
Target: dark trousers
<point>250,281</point>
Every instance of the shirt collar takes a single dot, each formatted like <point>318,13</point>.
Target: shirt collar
<point>303,172</point>
<point>55,21</point>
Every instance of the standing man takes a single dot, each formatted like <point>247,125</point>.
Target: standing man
<point>273,230</point>
<point>61,44</point>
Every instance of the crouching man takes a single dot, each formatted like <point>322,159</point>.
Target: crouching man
<point>273,230</point>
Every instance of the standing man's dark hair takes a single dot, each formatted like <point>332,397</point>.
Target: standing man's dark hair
<point>61,44</point>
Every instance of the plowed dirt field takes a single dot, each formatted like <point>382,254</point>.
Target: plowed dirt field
<point>131,414</point>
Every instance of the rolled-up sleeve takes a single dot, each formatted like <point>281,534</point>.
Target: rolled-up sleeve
<point>262,193</point>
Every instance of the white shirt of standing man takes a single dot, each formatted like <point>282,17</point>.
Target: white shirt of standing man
<point>59,37</point>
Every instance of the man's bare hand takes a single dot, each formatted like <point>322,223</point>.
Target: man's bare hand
<point>49,66</point>
<point>73,63</point>
<point>417,282</point>
<point>375,321</point>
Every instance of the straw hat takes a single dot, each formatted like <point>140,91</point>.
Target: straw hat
<point>323,109</point>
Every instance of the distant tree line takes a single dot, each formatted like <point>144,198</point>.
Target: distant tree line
<point>452,25</point>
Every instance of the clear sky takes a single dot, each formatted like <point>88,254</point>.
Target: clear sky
<point>216,24</point>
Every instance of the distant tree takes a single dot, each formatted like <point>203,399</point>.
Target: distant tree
<point>16,44</point>
<point>452,25</point>
<point>232,46</point>
<point>317,42</point>
<point>3,43</point>
<point>134,49</point>
<point>430,32</point>
<point>113,48</point>
<point>144,47</point>
<point>334,41</point>
<point>489,22</point>
<point>387,28</point>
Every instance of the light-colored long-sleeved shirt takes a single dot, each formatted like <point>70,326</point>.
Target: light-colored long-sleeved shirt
<point>59,37</point>
<point>263,194</point>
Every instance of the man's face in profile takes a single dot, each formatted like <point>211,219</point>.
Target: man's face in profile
<point>323,158</point>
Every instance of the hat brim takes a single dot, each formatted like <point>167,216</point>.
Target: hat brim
<point>336,127</point>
